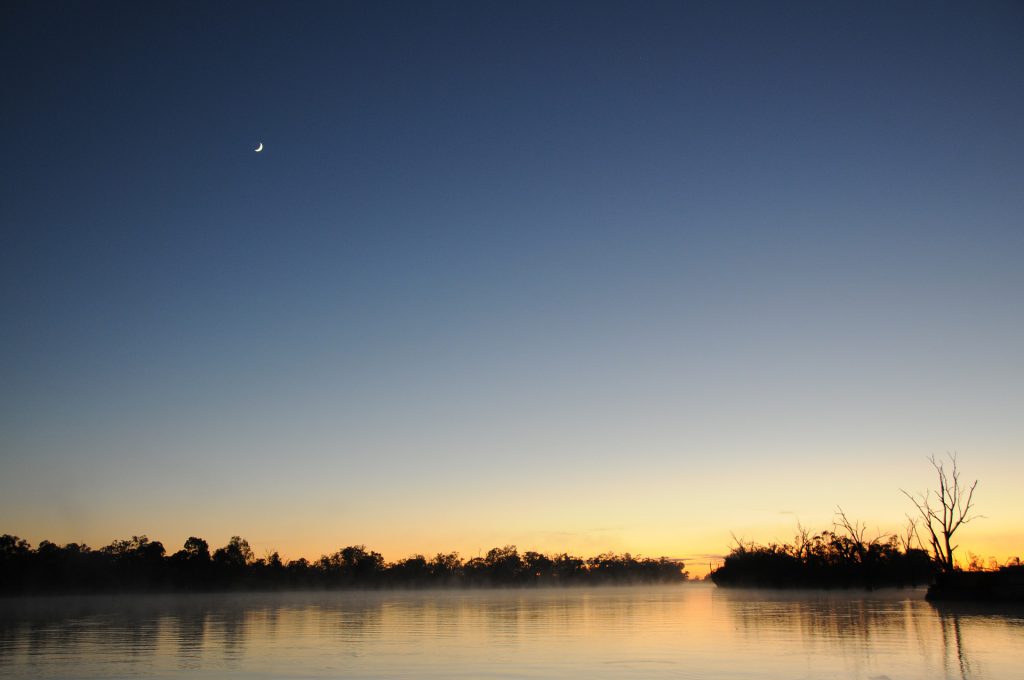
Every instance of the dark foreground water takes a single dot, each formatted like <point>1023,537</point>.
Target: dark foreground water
<point>691,631</point>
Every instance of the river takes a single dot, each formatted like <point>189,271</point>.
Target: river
<point>687,631</point>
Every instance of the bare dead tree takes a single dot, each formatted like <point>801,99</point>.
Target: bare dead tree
<point>856,530</point>
<point>909,535</point>
<point>802,541</point>
<point>741,545</point>
<point>945,509</point>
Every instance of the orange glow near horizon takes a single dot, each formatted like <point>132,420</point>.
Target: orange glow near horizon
<point>698,557</point>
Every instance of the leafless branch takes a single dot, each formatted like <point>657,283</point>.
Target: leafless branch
<point>953,502</point>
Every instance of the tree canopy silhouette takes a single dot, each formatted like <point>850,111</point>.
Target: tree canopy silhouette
<point>139,564</point>
<point>843,557</point>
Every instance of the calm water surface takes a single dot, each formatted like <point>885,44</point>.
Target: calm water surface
<point>691,631</point>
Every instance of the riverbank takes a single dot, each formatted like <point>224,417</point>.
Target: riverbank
<point>1004,585</point>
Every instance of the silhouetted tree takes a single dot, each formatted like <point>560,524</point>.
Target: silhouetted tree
<point>236,553</point>
<point>539,568</point>
<point>503,565</point>
<point>569,569</point>
<point>352,566</point>
<point>475,571</point>
<point>445,569</point>
<point>15,557</point>
<point>197,549</point>
<point>412,571</point>
<point>229,565</point>
<point>944,510</point>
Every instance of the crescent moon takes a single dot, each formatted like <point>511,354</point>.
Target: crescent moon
<point>259,148</point>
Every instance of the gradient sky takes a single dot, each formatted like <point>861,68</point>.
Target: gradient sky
<point>574,276</point>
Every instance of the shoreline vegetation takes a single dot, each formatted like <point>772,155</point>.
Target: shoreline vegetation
<point>141,565</point>
<point>826,560</point>
<point>845,557</point>
<point>832,560</point>
<point>1004,584</point>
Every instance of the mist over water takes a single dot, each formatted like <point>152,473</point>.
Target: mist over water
<point>691,631</point>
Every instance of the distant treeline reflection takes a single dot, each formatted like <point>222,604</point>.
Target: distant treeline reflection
<point>139,564</point>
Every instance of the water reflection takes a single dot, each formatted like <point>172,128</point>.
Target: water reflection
<point>961,623</point>
<point>953,645</point>
<point>830,618</point>
<point>647,632</point>
<point>887,629</point>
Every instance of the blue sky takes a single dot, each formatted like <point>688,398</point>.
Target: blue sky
<point>568,265</point>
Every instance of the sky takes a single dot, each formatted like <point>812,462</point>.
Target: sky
<point>572,276</point>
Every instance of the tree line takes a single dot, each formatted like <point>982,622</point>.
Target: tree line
<point>846,557</point>
<point>839,558</point>
<point>139,564</point>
